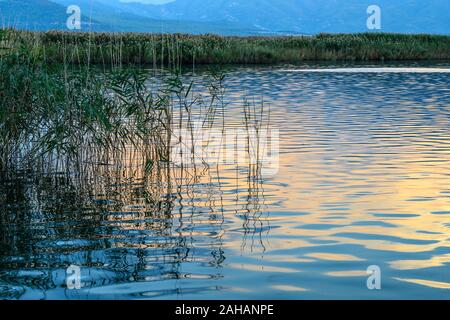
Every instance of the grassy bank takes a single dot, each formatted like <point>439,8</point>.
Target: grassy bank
<point>58,118</point>
<point>179,49</point>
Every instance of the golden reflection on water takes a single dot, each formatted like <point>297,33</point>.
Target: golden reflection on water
<point>363,179</point>
<point>386,191</point>
<point>427,283</point>
<point>373,173</point>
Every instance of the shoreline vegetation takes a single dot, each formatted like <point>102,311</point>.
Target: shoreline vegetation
<point>176,50</point>
<point>83,122</point>
<point>71,103</point>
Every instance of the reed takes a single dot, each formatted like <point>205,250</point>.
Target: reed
<point>175,50</point>
<point>79,141</point>
<point>67,100</point>
<point>87,121</point>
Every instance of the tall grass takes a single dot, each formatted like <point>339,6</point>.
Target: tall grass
<point>58,108</point>
<point>180,49</point>
<point>72,117</point>
<point>84,120</point>
<point>78,142</point>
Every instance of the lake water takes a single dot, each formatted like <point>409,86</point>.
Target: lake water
<point>363,179</point>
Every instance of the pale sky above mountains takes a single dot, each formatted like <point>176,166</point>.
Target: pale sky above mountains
<point>148,1</point>
<point>234,17</point>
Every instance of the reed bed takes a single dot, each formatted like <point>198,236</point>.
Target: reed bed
<point>182,49</point>
<point>62,119</point>
<point>87,121</point>
<point>79,141</point>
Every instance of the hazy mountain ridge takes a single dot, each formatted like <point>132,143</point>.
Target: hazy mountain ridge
<point>305,16</point>
<point>33,14</point>
<point>232,17</point>
<point>117,16</point>
<point>96,16</point>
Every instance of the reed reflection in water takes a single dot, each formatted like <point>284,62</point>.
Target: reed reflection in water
<point>363,180</point>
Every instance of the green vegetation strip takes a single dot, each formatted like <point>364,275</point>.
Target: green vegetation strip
<point>181,49</point>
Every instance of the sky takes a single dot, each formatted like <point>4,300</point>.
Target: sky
<point>149,1</point>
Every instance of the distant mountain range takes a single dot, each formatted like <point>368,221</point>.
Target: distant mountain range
<point>34,14</point>
<point>231,17</point>
<point>96,16</point>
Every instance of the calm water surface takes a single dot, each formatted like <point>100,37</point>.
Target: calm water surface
<point>363,179</point>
